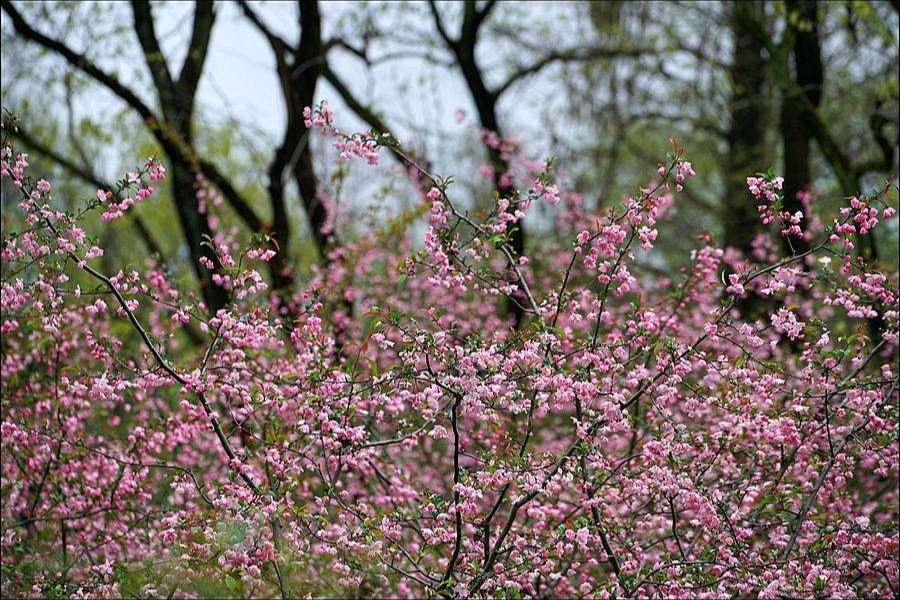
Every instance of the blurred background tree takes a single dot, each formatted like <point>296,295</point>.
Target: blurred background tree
<point>217,90</point>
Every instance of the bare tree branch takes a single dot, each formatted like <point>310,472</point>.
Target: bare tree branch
<point>275,41</point>
<point>79,61</point>
<point>571,55</point>
<point>439,24</point>
<point>204,17</point>
<point>153,54</point>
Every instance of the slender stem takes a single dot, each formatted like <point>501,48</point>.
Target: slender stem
<point>163,364</point>
<point>456,477</point>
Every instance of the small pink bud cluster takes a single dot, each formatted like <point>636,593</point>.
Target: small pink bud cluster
<point>437,217</point>
<point>15,170</point>
<point>735,287</point>
<point>155,170</point>
<point>263,255</point>
<point>322,118</point>
<point>766,190</point>
<point>860,217</point>
<point>792,223</point>
<point>763,189</point>
<point>117,210</point>
<point>361,145</point>
<point>550,193</point>
<point>785,321</point>
<point>683,170</point>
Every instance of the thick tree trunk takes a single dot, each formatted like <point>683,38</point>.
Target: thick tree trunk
<point>304,80</point>
<point>486,105</point>
<point>176,102</point>
<point>196,230</point>
<point>745,135</point>
<point>796,136</point>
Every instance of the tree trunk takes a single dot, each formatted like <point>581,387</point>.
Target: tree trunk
<point>796,136</point>
<point>486,105</point>
<point>745,136</point>
<point>196,229</point>
<point>304,80</point>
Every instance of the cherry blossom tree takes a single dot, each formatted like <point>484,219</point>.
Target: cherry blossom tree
<point>633,437</point>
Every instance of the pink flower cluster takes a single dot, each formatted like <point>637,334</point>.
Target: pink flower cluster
<point>155,170</point>
<point>550,193</point>
<point>683,170</point>
<point>116,208</point>
<point>765,190</point>
<point>360,145</point>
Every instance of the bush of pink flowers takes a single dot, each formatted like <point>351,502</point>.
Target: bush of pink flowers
<point>730,430</point>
